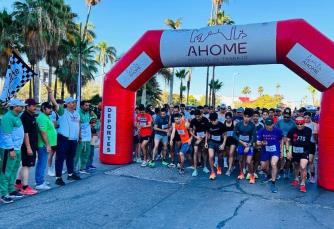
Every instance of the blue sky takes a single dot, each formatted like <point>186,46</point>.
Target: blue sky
<point>120,23</point>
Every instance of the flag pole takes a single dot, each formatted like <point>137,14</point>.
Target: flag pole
<point>79,72</point>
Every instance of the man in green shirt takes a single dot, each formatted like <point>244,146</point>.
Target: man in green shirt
<point>47,138</point>
<point>83,149</point>
<point>11,139</point>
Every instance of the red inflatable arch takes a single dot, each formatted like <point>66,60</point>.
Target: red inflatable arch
<point>294,43</point>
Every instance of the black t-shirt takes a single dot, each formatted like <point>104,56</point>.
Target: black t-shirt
<point>201,126</point>
<point>216,132</point>
<point>300,139</point>
<point>30,128</point>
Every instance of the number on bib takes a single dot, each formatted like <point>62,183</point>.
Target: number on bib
<point>271,148</point>
<point>215,137</point>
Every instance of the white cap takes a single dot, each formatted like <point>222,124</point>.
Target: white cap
<point>69,100</point>
<point>16,103</point>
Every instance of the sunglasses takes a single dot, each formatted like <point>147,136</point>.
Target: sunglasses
<point>286,117</point>
<point>299,124</point>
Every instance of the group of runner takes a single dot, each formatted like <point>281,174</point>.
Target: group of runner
<point>270,143</point>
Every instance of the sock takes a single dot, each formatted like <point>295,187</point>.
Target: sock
<point>18,181</point>
<point>25,186</point>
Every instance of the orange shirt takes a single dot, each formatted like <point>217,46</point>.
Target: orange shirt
<point>143,120</point>
<point>182,131</point>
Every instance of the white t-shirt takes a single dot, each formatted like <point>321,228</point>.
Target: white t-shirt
<point>69,124</point>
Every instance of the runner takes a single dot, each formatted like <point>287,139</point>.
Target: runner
<point>245,134</point>
<point>144,125</point>
<point>181,126</point>
<point>198,128</point>
<point>176,140</point>
<point>136,144</point>
<point>215,140</point>
<point>222,112</point>
<point>162,128</point>
<point>257,148</point>
<point>300,139</point>
<point>206,111</point>
<point>270,138</point>
<point>231,143</point>
<point>285,125</point>
<point>314,139</point>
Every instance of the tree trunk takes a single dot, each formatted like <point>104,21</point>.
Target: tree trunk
<point>181,91</point>
<point>143,96</point>
<point>209,104</point>
<point>37,84</point>
<point>62,94</point>
<point>171,88</point>
<point>50,80</point>
<point>55,88</point>
<point>188,90</point>
<point>214,97</point>
<point>207,85</point>
<point>213,89</point>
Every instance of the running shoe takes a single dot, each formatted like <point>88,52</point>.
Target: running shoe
<point>302,188</point>
<point>171,165</point>
<point>59,181</point>
<point>278,177</point>
<point>273,188</point>
<point>312,180</point>
<point>6,200</point>
<point>241,176</point>
<point>91,167</point>
<point>256,176</point>
<point>73,176</point>
<point>139,160</point>
<point>252,179</point>
<point>212,176</point>
<point>15,195</point>
<point>164,163</point>
<point>228,173</point>
<point>28,191</point>
<point>83,171</point>
<point>195,173</point>
<point>206,170</point>
<point>295,183</point>
<point>51,172</point>
<point>261,172</point>
<point>181,171</point>
<point>178,165</point>
<point>219,170</point>
<point>144,164</point>
<point>151,164</point>
<point>18,186</point>
<point>248,176</point>
<point>225,164</point>
<point>43,186</point>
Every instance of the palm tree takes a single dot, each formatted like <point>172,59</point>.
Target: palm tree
<point>152,92</point>
<point>181,74</point>
<point>313,93</point>
<point>246,91</point>
<point>173,25</point>
<point>215,86</point>
<point>166,74</point>
<point>188,85</point>
<point>260,90</point>
<point>105,54</point>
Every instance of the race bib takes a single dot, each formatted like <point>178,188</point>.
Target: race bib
<point>296,149</point>
<point>244,138</point>
<point>216,137</point>
<point>142,124</point>
<point>180,132</point>
<point>85,131</point>
<point>164,126</point>
<point>271,148</point>
<point>200,134</point>
<point>229,133</point>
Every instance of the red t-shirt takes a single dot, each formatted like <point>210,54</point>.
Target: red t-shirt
<point>144,120</point>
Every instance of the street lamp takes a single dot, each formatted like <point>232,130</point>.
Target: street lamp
<point>234,75</point>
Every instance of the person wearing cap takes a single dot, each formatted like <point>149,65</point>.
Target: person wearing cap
<point>239,115</point>
<point>47,139</point>
<point>11,140</point>
<point>29,148</point>
<point>270,138</point>
<point>67,138</point>
<point>185,112</point>
<point>93,143</point>
<point>222,112</point>
<point>299,138</point>
<point>245,134</point>
<point>206,111</point>
<point>83,148</point>
<point>285,124</point>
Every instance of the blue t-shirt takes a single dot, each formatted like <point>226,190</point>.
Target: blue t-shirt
<point>285,126</point>
<point>162,123</point>
<point>272,138</point>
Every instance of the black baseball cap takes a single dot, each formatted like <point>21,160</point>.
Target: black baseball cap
<point>30,102</point>
<point>287,111</point>
<point>46,105</point>
<point>269,121</point>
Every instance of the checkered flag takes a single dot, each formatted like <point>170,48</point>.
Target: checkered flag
<point>17,75</point>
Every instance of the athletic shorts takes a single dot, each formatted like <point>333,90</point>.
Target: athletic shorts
<point>146,138</point>
<point>28,160</point>
<point>214,145</point>
<point>296,157</point>
<point>176,137</point>
<point>231,141</point>
<point>185,148</point>
<point>312,148</point>
<point>162,138</point>
<point>240,150</point>
<point>265,155</point>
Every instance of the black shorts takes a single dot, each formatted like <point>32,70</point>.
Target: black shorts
<point>231,141</point>
<point>135,139</point>
<point>176,137</point>
<point>28,160</point>
<point>146,138</point>
<point>296,157</point>
<point>54,148</point>
<point>312,148</point>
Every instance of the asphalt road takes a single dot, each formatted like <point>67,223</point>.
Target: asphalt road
<point>135,197</point>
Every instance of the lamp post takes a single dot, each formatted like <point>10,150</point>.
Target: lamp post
<point>234,75</point>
